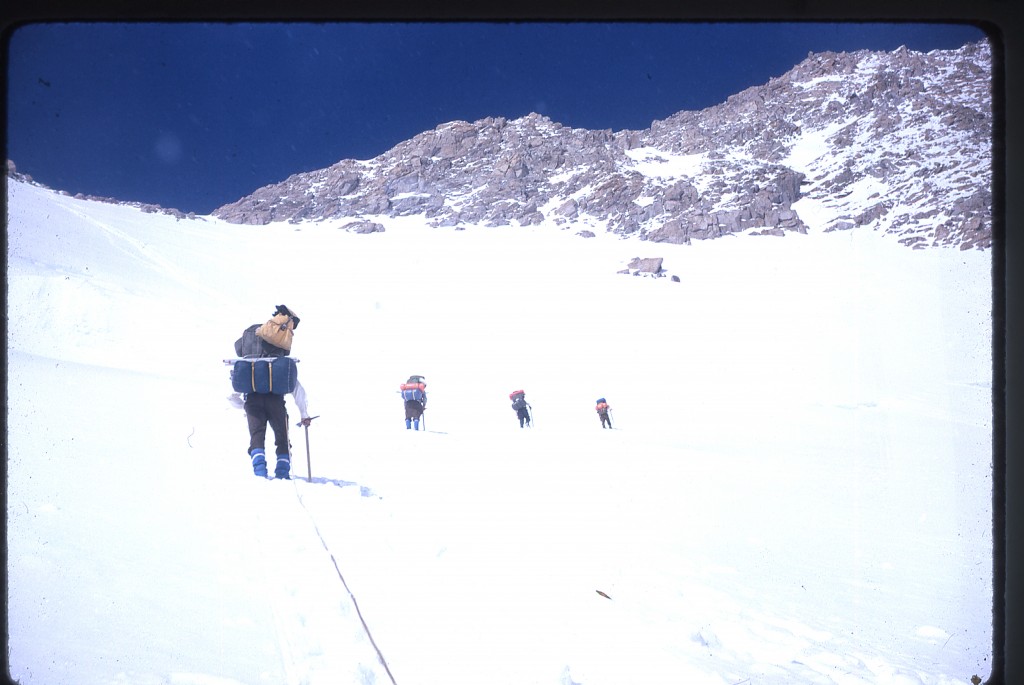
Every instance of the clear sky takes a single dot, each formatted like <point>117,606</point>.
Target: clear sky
<point>196,115</point>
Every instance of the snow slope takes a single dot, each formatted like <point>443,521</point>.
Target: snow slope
<point>797,490</point>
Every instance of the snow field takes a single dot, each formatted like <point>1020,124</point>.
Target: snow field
<point>797,489</point>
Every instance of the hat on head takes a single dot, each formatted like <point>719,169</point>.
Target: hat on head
<point>282,309</point>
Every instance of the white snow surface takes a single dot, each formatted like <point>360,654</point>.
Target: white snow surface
<point>797,488</point>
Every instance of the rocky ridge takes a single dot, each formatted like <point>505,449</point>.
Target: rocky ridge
<point>896,141</point>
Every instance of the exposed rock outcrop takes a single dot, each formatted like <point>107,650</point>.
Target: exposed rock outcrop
<point>897,141</point>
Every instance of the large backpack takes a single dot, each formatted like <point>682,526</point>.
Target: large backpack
<point>251,345</point>
<point>414,389</point>
<point>277,376</point>
<point>278,331</point>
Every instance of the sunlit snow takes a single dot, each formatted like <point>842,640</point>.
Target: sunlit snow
<point>797,488</point>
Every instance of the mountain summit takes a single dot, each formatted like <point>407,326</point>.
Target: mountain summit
<point>896,141</point>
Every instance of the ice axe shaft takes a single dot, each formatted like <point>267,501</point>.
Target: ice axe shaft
<point>309,468</point>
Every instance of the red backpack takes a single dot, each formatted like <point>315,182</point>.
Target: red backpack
<point>414,389</point>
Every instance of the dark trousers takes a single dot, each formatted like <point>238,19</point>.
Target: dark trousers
<point>261,409</point>
<point>413,409</point>
<point>524,416</point>
<point>605,419</point>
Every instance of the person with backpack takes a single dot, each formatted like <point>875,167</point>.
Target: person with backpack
<point>264,362</point>
<point>414,393</point>
<point>521,407</point>
<point>602,412</point>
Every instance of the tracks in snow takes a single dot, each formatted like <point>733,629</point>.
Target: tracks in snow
<point>341,577</point>
<point>321,634</point>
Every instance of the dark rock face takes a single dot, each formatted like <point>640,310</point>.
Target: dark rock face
<point>897,141</point>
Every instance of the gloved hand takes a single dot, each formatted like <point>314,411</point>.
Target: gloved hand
<point>306,421</point>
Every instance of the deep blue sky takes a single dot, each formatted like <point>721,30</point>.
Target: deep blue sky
<point>196,115</point>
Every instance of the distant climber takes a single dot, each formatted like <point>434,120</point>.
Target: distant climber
<point>522,408</point>
<point>414,392</point>
<point>602,411</point>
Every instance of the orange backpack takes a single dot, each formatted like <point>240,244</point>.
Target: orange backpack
<point>278,331</point>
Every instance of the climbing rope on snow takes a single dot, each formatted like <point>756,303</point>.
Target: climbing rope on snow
<point>366,628</point>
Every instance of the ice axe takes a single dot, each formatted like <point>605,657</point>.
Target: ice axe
<point>309,469</point>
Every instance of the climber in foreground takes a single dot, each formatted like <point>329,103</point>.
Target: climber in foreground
<point>264,374</point>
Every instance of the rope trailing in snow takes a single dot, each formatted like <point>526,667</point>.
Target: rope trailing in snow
<point>359,613</point>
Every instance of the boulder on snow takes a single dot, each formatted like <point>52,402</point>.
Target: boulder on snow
<point>364,227</point>
<point>647,265</point>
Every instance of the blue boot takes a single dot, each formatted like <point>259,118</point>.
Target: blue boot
<point>259,462</point>
<point>416,424</point>
<point>408,424</point>
<point>284,467</point>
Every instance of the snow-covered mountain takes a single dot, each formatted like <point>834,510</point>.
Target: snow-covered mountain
<point>897,141</point>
